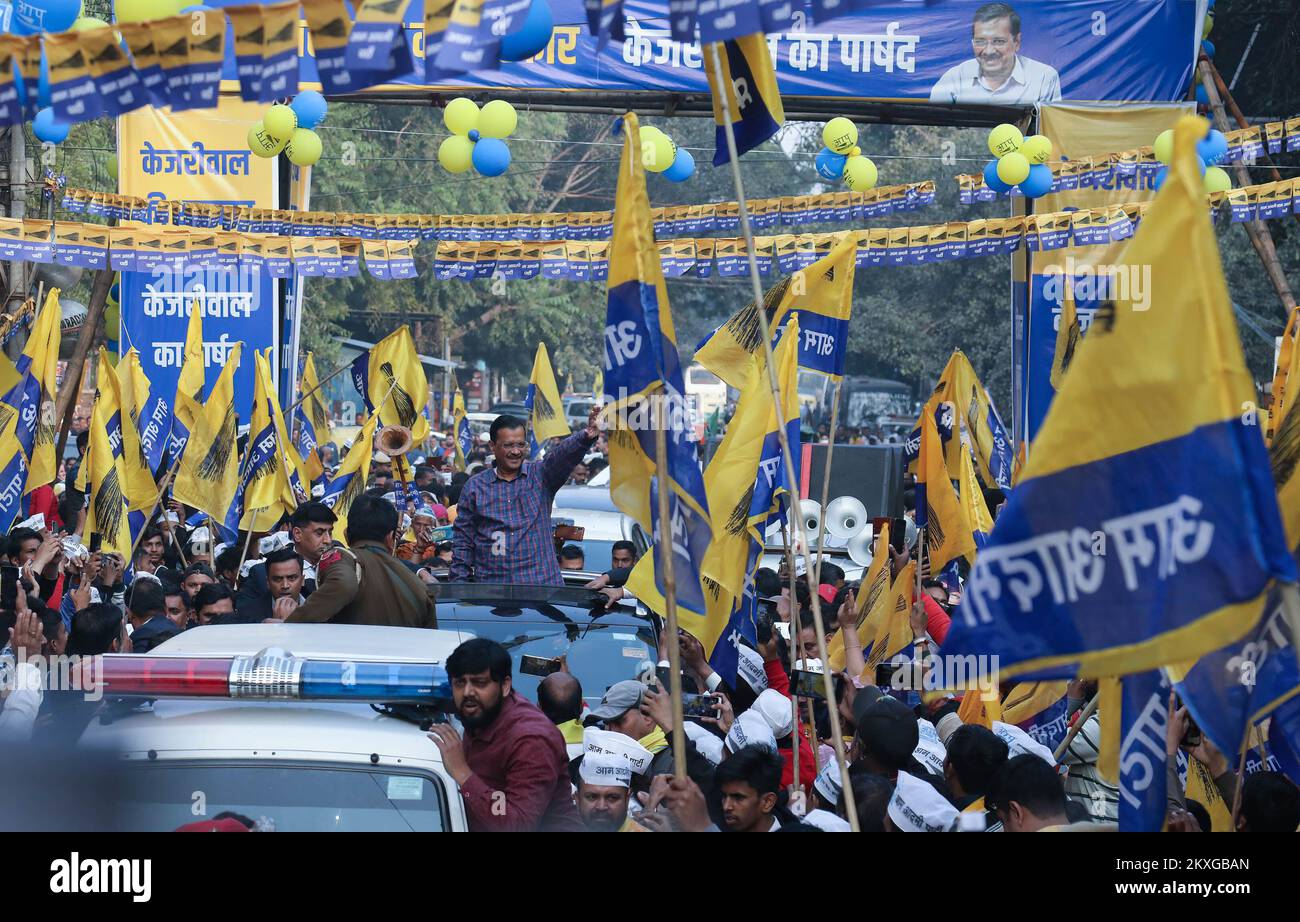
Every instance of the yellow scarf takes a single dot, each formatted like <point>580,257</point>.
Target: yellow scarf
<point>571,730</point>
<point>655,740</point>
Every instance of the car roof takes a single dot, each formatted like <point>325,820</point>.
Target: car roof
<point>317,641</point>
<point>596,499</point>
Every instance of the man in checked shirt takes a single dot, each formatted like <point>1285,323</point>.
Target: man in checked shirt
<point>503,528</point>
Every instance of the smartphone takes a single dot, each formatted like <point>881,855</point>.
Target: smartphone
<point>1192,736</point>
<point>699,705</point>
<point>8,587</point>
<point>885,673</point>
<point>96,541</point>
<point>811,684</point>
<point>898,535</point>
<point>540,666</point>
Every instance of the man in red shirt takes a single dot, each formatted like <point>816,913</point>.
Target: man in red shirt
<point>512,766</point>
<point>779,682</point>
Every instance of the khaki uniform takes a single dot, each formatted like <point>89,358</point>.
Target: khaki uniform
<point>365,584</point>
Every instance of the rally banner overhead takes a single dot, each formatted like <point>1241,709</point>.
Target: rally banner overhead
<point>1043,51</point>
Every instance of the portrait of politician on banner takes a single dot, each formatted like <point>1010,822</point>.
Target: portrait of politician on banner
<point>999,73</point>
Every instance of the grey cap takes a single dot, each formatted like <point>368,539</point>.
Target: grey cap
<point>619,698</point>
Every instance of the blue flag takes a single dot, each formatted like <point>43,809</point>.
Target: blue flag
<point>1142,755</point>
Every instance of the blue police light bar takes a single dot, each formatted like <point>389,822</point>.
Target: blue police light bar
<point>274,674</point>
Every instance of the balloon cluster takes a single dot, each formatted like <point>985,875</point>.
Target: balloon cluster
<point>841,158</point>
<point>289,129</point>
<point>477,136</point>
<point>660,154</point>
<point>1020,162</point>
<point>1210,150</point>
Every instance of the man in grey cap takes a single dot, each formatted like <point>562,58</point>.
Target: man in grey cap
<point>645,715</point>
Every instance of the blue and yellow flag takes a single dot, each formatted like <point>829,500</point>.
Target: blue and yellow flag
<point>1041,709</point>
<point>390,376</point>
<point>133,388</point>
<point>963,407</point>
<point>188,405</point>
<point>1286,377</point>
<point>821,296</point>
<point>972,502</point>
<point>874,586</point>
<point>753,98</point>
<point>208,478</point>
<point>462,437</point>
<point>349,480</point>
<point>31,389</point>
<point>311,420</point>
<point>942,517</point>
<point>272,482</point>
<point>1145,528</point>
<point>107,513</point>
<point>545,410</point>
<point>1144,719</point>
<point>641,363</point>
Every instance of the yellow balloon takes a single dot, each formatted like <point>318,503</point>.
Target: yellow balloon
<point>1013,168</point>
<point>657,150</point>
<point>1164,146</point>
<point>1217,180</point>
<point>456,154</point>
<point>498,119</point>
<point>280,121</point>
<point>1004,139</point>
<point>261,143</point>
<point>461,116</point>
<point>1037,148</point>
<point>142,10</point>
<point>840,134</point>
<point>82,23</point>
<point>1208,26</point>
<point>304,147</point>
<point>860,174</point>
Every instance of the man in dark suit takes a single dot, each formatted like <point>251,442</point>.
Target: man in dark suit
<point>284,583</point>
<point>147,609</point>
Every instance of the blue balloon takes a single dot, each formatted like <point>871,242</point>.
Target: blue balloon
<point>1161,175</point>
<point>1202,97</point>
<point>992,180</point>
<point>491,156</point>
<point>33,16</point>
<point>683,167</point>
<point>830,165</point>
<point>531,37</point>
<point>1208,47</point>
<point>310,108</point>
<point>49,129</point>
<point>1039,181</point>
<point>1200,165</point>
<point>1213,147</point>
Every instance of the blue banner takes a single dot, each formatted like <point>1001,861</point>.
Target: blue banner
<point>929,51</point>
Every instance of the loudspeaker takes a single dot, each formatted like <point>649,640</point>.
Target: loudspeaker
<point>872,473</point>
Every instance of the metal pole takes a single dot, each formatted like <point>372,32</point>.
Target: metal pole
<point>663,542</point>
<point>837,737</point>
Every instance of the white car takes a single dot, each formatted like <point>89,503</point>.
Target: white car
<point>314,727</point>
<point>592,508</point>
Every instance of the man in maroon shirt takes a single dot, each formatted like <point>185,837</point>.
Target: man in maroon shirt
<point>512,766</point>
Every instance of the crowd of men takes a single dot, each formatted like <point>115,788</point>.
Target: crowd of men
<point>758,756</point>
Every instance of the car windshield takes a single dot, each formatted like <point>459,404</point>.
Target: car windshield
<point>161,796</point>
<point>600,647</point>
<point>596,555</point>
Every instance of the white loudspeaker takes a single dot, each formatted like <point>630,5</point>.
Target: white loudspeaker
<point>859,548</point>
<point>811,510</point>
<point>845,516</point>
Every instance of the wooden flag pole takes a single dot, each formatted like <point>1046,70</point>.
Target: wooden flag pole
<point>765,334</point>
<point>66,404</point>
<point>826,478</point>
<point>665,565</point>
<point>1086,713</point>
<point>793,623</point>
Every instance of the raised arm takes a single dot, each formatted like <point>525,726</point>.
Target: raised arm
<point>564,457</point>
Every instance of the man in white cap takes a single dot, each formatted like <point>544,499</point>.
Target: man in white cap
<point>774,706</point>
<point>750,729</point>
<point>604,788</point>
<point>917,806</point>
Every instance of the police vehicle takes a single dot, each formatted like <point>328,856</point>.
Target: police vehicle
<point>300,727</point>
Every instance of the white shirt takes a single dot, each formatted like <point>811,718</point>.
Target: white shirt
<point>1030,82</point>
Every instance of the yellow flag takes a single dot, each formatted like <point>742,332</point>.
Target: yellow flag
<point>391,374</point>
<point>313,422</point>
<point>1202,789</point>
<point>888,627</point>
<point>822,294</point>
<point>133,388</point>
<point>349,481</point>
<point>975,710</point>
<point>190,385</point>
<point>874,588</point>
<point>543,399</point>
<point>972,501</point>
<point>106,514</point>
<point>1068,335</point>
<point>296,484</point>
<point>265,478</point>
<point>209,473</point>
<point>1029,699</point>
<point>977,420</point>
<point>598,385</point>
<point>752,95</point>
<point>42,350</point>
<point>947,530</point>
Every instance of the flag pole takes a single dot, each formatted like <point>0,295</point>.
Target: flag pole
<point>665,565</point>
<point>1087,712</point>
<point>826,477</point>
<point>837,737</point>
<point>793,607</point>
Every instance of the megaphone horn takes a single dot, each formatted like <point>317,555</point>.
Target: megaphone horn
<point>811,511</point>
<point>859,548</point>
<point>845,516</point>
